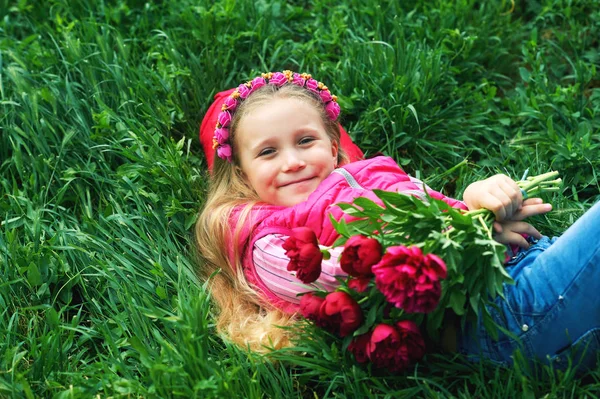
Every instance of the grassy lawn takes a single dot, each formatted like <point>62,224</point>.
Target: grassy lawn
<point>102,174</point>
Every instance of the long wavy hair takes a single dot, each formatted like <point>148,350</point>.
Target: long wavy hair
<point>244,317</point>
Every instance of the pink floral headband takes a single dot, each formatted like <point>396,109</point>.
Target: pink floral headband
<point>221,138</point>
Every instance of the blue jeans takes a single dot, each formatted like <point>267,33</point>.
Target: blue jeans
<point>553,309</point>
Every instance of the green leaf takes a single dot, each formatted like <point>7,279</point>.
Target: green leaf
<point>34,277</point>
<point>161,292</point>
<point>457,301</point>
<point>525,74</point>
<point>474,301</point>
<point>52,318</point>
<point>341,226</point>
<point>370,207</point>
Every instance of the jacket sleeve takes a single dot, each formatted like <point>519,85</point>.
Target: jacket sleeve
<point>437,195</point>
<point>271,263</point>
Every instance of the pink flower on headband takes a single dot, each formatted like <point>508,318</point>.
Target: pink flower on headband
<point>298,80</point>
<point>258,82</point>
<point>325,96</point>
<point>243,90</point>
<point>222,135</point>
<point>278,79</point>
<point>333,110</point>
<point>224,118</point>
<point>224,152</point>
<point>230,104</point>
<point>312,85</point>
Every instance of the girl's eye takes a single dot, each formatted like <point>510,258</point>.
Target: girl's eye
<point>265,152</point>
<point>306,140</point>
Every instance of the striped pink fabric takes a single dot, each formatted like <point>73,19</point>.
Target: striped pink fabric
<point>271,263</point>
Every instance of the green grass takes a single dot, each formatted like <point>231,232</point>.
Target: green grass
<point>102,176</point>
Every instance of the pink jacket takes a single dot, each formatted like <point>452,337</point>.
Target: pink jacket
<point>344,184</point>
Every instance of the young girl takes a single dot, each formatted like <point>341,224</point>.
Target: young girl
<point>280,165</point>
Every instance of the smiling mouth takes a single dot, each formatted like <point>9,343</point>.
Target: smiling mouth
<point>297,181</point>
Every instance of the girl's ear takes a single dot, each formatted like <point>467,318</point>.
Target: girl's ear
<point>334,152</point>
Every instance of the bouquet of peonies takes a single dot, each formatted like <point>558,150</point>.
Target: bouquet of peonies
<point>409,263</point>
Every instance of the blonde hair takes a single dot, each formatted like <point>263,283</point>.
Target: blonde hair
<point>244,317</point>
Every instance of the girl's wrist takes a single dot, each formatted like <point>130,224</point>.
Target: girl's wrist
<point>470,195</point>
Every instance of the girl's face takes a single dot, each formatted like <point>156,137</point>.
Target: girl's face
<point>284,151</point>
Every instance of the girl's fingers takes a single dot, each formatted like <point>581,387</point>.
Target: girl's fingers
<point>513,192</point>
<point>498,227</point>
<point>531,208</point>
<point>512,233</point>
<point>503,198</point>
<point>533,201</point>
<point>517,239</point>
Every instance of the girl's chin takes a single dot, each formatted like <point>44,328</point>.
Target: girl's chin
<point>299,192</point>
<point>291,200</point>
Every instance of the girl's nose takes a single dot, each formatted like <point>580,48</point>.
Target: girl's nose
<point>293,162</point>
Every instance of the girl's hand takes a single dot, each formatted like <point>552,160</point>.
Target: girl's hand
<point>499,193</point>
<point>511,231</point>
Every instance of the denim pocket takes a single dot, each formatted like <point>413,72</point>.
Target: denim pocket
<point>583,353</point>
<point>523,306</point>
<point>535,246</point>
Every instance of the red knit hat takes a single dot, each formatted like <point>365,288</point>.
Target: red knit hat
<point>207,131</point>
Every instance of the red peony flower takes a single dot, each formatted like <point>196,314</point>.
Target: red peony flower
<point>382,348</point>
<point>396,347</point>
<point>410,280</point>
<point>358,347</point>
<point>310,305</point>
<point>340,313</point>
<point>305,256</point>
<point>359,284</point>
<point>412,348</point>
<point>359,255</point>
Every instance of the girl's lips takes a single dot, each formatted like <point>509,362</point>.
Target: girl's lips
<point>297,181</point>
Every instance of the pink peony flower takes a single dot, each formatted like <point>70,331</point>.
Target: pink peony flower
<point>409,280</point>
<point>230,104</point>
<point>340,313</point>
<point>224,152</point>
<point>325,96</point>
<point>222,135</point>
<point>224,118</point>
<point>278,79</point>
<point>359,255</point>
<point>302,247</point>
<point>311,85</point>
<point>333,110</point>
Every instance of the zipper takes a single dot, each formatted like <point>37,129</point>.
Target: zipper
<point>349,178</point>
